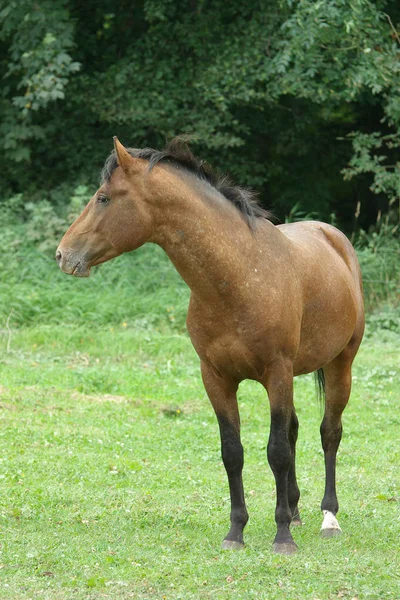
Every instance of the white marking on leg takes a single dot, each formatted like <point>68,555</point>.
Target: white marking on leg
<point>330,521</point>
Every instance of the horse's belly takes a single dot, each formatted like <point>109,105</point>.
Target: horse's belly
<point>325,332</point>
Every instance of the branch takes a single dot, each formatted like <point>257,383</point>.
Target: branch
<point>393,27</point>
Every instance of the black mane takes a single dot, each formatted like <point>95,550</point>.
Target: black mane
<point>178,153</point>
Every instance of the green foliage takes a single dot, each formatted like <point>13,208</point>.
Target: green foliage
<point>371,152</point>
<point>266,88</point>
<point>296,213</point>
<point>379,255</point>
<point>385,319</point>
<point>333,51</point>
<point>44,227</point>
<point>38,37</point>
<point>379,262</point>
<point>141,288</point>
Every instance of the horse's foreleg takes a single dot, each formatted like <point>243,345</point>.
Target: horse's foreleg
<point>222,394</point>
<point>281,442</point>
<point>338,385</point>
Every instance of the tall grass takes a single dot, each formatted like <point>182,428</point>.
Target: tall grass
<point>141,287</point>
<point>380,266</point>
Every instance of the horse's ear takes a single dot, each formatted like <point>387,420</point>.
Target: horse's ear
<point>125,160</point>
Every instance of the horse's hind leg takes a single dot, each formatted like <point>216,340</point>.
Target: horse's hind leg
<point>293,488</point>
<point>280,452</point>
<point>337,387</point>
<point>222,394</point>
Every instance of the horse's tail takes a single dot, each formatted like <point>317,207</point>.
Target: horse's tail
<point>320,385</point>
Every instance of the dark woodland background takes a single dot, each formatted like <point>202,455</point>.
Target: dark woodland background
<point>298,100</point>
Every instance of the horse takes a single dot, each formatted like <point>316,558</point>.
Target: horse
<point>268,302</point>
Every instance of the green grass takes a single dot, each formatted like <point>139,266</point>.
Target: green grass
<point>141,286</point>
<point>111,482</point>
<point>112,486</point>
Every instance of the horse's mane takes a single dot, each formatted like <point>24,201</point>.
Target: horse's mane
<point>178,153</point>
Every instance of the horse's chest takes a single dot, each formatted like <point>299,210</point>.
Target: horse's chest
<point>234,353</point>
<point>233,357</point>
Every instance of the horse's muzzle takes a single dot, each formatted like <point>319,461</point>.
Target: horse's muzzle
<point>71,263</point>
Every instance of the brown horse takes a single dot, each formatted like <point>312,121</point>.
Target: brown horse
<point>267,303</point>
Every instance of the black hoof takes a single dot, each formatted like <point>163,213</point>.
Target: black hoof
<point>329,533</point>
<point>287,548</point>
<point>232,545</point>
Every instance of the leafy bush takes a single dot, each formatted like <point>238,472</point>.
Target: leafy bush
<point>282,94</point>
<point>386,318</point>
<point>44,227</point>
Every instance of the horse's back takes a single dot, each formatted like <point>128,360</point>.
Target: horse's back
<point>312,236</point>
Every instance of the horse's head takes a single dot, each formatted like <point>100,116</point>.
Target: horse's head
<point>115,220</point>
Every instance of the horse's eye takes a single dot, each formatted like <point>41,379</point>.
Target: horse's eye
<point>102,199</point>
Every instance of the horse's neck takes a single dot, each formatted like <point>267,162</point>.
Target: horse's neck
<point>207,240</point>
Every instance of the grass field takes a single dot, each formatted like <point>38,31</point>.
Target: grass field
<point>112,484</point>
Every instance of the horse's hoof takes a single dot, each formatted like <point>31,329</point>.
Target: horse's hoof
<point>232,545</point>
<point>330,532</point>
<point>330,526</point>
<point>286,548</point>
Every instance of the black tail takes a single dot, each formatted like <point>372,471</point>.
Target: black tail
<point>320,385</point>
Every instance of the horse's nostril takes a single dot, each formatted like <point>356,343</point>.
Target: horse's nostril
<point>58,255</point>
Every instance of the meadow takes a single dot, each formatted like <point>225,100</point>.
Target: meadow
<point>111,481</point>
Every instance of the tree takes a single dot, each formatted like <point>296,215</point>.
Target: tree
<point>266,89</point>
